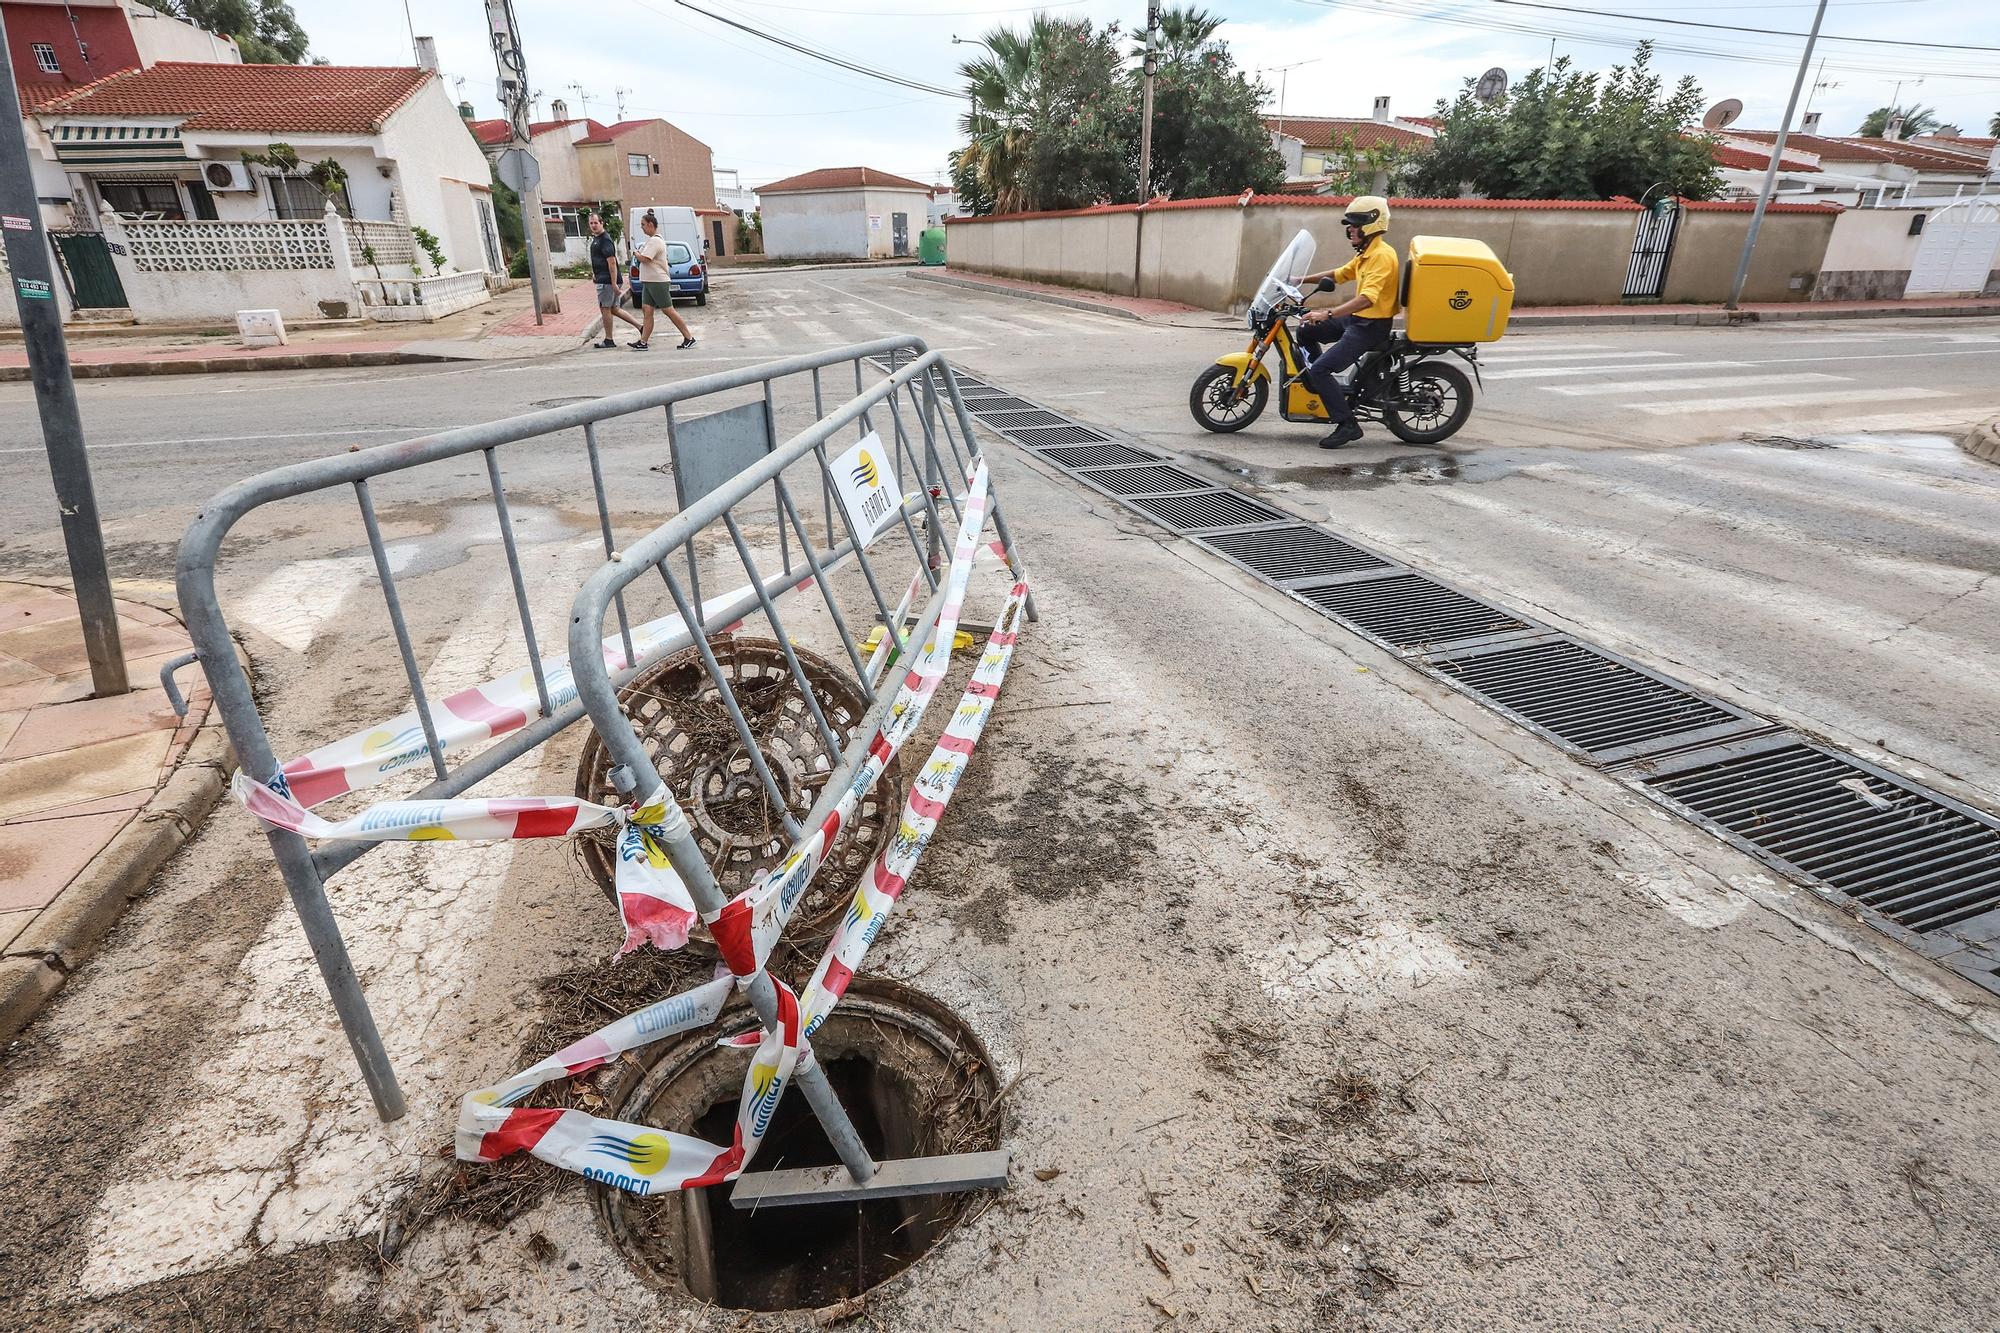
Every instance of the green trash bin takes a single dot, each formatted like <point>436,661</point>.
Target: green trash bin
<point>930,246</point>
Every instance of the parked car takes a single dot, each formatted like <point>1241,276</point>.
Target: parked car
<point>690,275</point>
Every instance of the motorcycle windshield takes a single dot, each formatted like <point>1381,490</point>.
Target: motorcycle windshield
<point>1294,262</point>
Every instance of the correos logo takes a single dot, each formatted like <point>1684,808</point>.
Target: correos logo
<point>1460,299</point>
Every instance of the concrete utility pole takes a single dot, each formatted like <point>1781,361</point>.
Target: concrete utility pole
<point>1777,152</point>
<point>514,99</point>
<point>1152,64</point>
<point>27,245</point>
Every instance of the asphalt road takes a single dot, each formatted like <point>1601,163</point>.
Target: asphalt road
<point>1334,999</point>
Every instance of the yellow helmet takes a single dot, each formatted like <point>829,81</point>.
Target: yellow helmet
<point>1370,212</point>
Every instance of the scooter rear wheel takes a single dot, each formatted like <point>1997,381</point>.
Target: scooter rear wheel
<point>1440,401</point>
<point>1221,405</point>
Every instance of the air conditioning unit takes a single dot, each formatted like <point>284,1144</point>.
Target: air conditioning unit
<point>225,177</point>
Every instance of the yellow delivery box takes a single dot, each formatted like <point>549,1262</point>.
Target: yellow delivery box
<point>1454,291</point>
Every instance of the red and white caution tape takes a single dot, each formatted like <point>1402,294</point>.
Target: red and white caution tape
<point>462,820</point>
<point>887,875</point>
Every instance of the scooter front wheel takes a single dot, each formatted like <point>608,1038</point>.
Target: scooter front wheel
<point>1222,405</point>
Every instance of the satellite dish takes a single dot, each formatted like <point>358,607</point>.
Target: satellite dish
<point>1492,85</point>
<point>1722,114</point>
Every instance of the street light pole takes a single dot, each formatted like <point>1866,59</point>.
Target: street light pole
<point>1777,152</point>
<point>1151,65</point>
<point>27,244</point>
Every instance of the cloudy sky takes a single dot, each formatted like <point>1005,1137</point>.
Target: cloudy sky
<point>769,112</point>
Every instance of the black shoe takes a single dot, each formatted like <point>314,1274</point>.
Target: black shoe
<point>638,345</point>
<point>684,343</point>
<point>608,342</point>
<point>1341,436</point>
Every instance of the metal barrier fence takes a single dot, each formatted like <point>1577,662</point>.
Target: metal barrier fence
<point>934,441</point>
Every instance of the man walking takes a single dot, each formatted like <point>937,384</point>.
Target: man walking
<point>657,280</point>
<point>606,271</point>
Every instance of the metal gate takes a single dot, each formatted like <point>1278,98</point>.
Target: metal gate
<point>86,262</point>
<point>1652,246</point>
<point>1957,253</point>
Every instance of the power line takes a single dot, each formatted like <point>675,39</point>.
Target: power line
<point>1730,27</point>
<point>870,72</point>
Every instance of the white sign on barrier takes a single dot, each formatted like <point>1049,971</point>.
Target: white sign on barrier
<point>867,484</point>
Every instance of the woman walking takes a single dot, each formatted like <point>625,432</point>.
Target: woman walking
<point>658,284</point>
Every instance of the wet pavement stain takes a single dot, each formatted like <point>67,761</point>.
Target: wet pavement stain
<point>1420,469</point>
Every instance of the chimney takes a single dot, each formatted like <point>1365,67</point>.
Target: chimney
<point>1382,109</point>
<point>466,111</point>
<point>559,110</point>
<point>1811,123</point>
<point>1894,129</point>
<point>427,54</point>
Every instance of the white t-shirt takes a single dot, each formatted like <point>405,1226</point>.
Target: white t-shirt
<point>652,254</point>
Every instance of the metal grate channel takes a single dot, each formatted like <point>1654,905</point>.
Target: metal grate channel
<point>1215,509</point>
<point>1144,480</point>
<point>1589,701</point>
<point>1295,552</point>
<point>1097,455</point>
<point>1011,421</point>
<point>1041,437</point>
<point>1409,610</point>
<point>1921,860</point>
<point>985,406</point>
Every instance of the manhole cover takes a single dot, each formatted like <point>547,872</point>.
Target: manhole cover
<point>687,731</point>
<point>916,1082</point>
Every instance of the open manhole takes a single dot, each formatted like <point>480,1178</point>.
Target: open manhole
<point>698,753</point>
<point>916,1083</point>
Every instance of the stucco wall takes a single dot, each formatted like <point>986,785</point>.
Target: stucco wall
<point>885,204</point>
<point>1869,256</point>
<point>1790,249</point>
<point>162,37</point>
<point>818,224</point>
<point>437,162</point>
<point>1190,255</point>
<point>556,151</point>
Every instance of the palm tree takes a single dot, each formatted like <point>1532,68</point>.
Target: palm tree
<point>1994,128</point>
<point>1184,30</point>
<point>1916,120</point>
<point>1003,87</point>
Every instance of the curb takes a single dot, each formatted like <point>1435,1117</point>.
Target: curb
<point>68,931</point>
<point>1046,298</point>
<point>726,270</point>
<point>1983,441</point>
<point>222,365</point>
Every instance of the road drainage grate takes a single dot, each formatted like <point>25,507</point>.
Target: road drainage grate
<point>986,406</point>
<point>1407,611</point>
<point>1144,480</point>
<point>1097,455</point>
<point>1293,552</point>
<point>1035,416</point>
<point>1041,437</point>
<point>1588,701</point>
<point>1213,509</point>
<point>1922,861</point>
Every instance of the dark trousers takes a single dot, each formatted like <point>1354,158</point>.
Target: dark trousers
<point>1332,345</point>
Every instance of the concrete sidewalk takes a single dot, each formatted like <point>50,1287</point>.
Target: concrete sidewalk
<point>1535,317</point>
<point>503,329</point>
<point>95,794</point>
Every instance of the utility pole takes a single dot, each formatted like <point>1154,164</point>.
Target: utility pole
<point>1777,152</point>
<point>514,97</point>
<point>1152,65</point>
<point>27,243</point>
<point>621,94</point>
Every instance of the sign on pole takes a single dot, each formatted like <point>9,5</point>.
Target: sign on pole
<point>518,170</point>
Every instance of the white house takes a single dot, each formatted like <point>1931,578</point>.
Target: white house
<point>160,152</point>
<point>843,213</point>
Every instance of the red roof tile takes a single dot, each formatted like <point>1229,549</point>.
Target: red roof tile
<point>840,178</point>
<point>1338,131</point>
<point>311,99</point>
<point>1857,149</point>
<point>1742,159</point>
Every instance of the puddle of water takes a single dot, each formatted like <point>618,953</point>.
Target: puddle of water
<point>1420,469</point>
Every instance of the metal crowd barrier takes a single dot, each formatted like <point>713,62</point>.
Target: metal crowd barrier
<point>933,440</point>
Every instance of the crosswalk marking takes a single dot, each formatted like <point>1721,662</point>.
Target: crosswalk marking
<point>1547,372</point>
<point>812,328</point>
<point>1697,382</point>
<point>1804,400</point>
<point>1512,356</point>
<point>754,333</point>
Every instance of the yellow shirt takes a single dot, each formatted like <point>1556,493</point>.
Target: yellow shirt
<point>1374,272</point>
